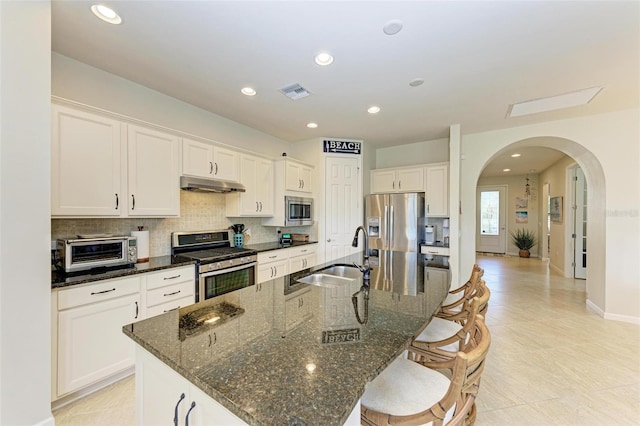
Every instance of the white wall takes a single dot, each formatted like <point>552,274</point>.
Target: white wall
<point>25,278</point>
<point>556,177</point>
<point>435,151</point>
<point>606,146</point>
<point>77,81</point>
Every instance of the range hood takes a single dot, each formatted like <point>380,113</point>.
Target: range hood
<point>209,185</point>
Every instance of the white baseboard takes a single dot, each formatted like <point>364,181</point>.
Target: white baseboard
<point>595,308</point>
<point>622,318</point>
<point>49,421</point>
<point>612,317</point>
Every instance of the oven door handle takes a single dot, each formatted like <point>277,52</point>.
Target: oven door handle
<point>227,270</point>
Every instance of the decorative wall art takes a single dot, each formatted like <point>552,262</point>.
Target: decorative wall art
<point>522,203</point>
<point>555,209</point>
<point>522,217</point>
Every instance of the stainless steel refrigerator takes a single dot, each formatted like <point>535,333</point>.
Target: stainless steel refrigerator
<point>395,224</point>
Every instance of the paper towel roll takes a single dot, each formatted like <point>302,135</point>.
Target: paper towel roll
<point>143,245</point>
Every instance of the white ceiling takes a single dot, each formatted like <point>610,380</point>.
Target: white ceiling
<point>476,58</point>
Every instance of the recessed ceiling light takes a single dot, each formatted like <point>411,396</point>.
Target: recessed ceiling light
<point>312,125</point>
<point>373,109</point>
<point>324,58</point>
<point>515,155</point>
<point>552,103</point>
<point>392,27</point>
<point>416,82</point>
<point>506,170</point>
<point>106,14</point>
<point>248,91</point>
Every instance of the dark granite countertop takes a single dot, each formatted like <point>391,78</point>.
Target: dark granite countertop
<point>274,245</point>
<point>283,377</point>
<point>59,280</point>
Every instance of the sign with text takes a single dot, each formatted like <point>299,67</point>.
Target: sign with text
<point>340,336</point>
<point>342,147</point>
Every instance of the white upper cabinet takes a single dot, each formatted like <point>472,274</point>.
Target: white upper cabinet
<point>103,167</point>
<point>256,174</point>
<point>437,191</point>
<point>154,173</point>
<point>398,180</point>
<point>206,160</point>
<point>86,164</point>
<point>298,177</point>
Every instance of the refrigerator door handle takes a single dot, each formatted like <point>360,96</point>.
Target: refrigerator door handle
<point>385,237</point>
<point>391,225</point>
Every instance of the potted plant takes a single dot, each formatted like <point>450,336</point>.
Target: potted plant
<point>524,240</point>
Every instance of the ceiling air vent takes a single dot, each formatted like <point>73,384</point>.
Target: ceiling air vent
<point>295,92</point>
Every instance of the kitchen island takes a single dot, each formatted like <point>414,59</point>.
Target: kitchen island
<point>222,361</point>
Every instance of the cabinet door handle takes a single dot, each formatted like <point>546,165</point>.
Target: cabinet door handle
<point>427,208</point>
<point>257,206</point>
<point>216,169</point>
<point>186,420</point>
<point>210,167</point>
<point>175,411</point>
<point>133,198</point>
<point>399,184</point>
<point>137,310</point>
<point>276,269</point>
<point>172,278</point>
<point>215,337</point>
<point>171,294</point>
<point>117,201</point>
<point>299,183</point>
<point>103,291</point>
<point>210,340</point>
<point>260,205</point>
<point>393,185</point>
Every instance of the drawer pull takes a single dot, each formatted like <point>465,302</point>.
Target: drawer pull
<point>273,257</point>
<point>137,311</point>
<point>172,278</point>
<point>103,291</point>
<point>171,294</point>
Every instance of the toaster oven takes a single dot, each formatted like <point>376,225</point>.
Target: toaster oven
<point>83,254</point>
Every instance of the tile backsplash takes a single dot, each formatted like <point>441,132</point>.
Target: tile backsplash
<point>198,212</point>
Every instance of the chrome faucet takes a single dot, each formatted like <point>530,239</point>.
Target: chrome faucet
<point>365,268</point>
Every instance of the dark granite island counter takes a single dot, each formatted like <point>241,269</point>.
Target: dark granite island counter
<point>242,361</point>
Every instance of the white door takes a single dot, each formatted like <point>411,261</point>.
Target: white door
<point>343,209</point>
<point>580,226</point>
<point>491,219</point>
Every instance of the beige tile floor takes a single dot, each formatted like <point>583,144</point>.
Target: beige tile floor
<point>552,361</point>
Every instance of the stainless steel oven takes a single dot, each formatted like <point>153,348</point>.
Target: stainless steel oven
<point>215,282</point>
<point>298,211</point>
<point>221,267</point>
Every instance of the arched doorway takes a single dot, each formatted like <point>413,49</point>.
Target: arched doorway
<point>594,175</point>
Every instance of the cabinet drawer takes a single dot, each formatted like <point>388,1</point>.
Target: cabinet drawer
<point>170,292</point>
<point>170,276</point>
<point>273,256</point>
<point>100,291</point>
<point>303,250</point>
<point>171,305</point>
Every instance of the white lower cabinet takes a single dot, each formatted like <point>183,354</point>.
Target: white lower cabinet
<point>88,346</point>
<point>169,289</point>
<point>91,345</point>
<point>163,397</point>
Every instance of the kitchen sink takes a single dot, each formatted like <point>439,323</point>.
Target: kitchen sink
<point>333,276</point>
<point>344,271</point>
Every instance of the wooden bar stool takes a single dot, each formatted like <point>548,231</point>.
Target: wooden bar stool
<point>407,393</point>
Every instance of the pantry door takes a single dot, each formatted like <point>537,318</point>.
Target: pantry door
<point>343,209</point>
<point>491,219</point>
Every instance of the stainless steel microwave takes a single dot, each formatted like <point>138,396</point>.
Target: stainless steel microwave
<point>298,211</point>
<point>82,254</point>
